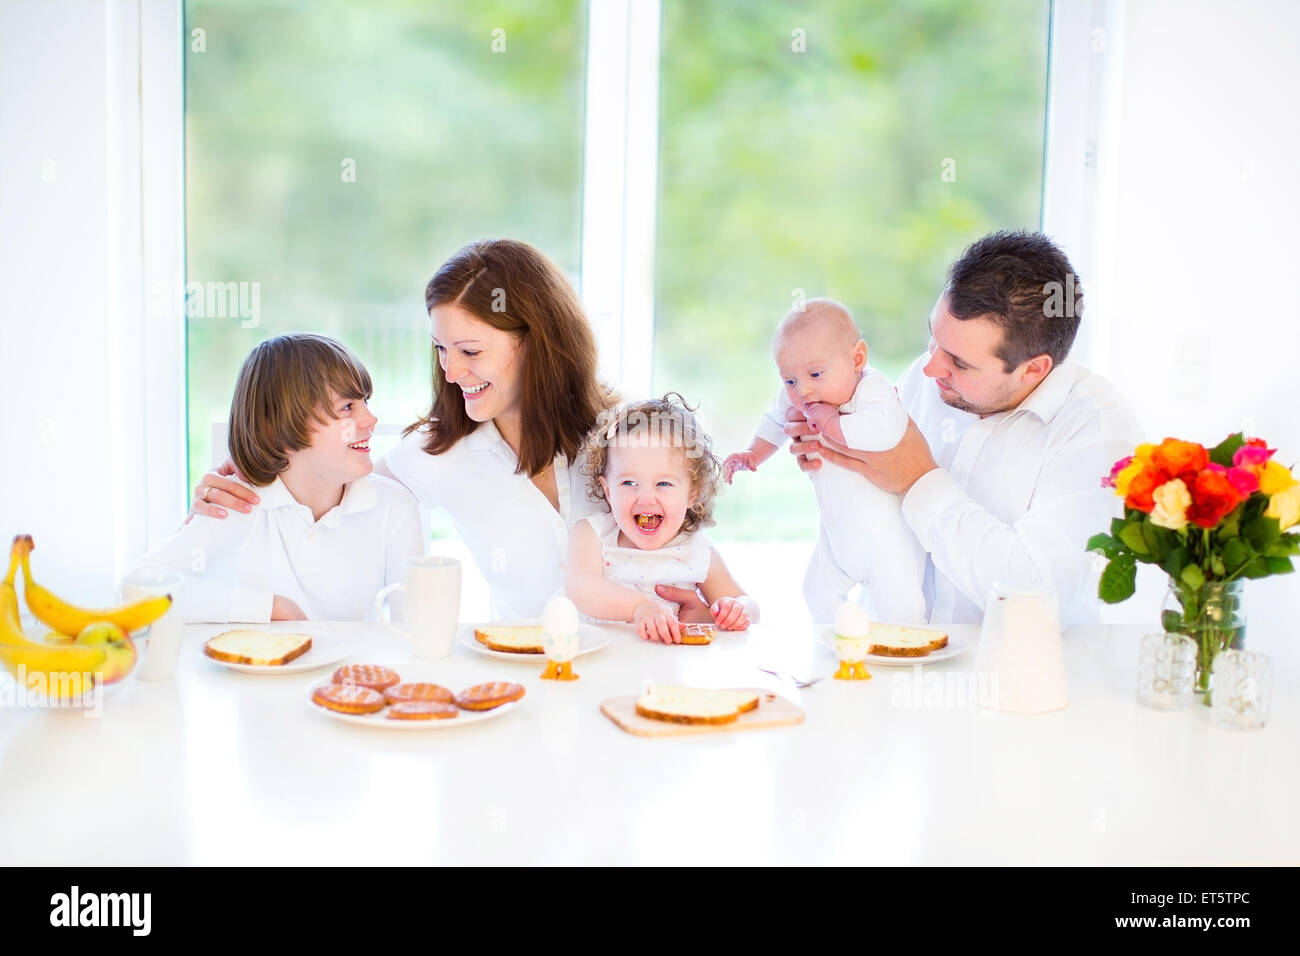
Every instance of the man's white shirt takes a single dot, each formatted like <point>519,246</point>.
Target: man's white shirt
<point>331,568</point>
<point>1017,494</point>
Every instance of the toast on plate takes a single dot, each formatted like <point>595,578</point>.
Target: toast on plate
<point>691,705</point>
<point>263,648</point>
<point>513,639</point>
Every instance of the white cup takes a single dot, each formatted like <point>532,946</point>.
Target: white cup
<point>432,588</point>
<point>1021,646</point>
<point>162,646</point>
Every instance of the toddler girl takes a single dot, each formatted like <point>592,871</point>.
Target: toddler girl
<point>655,471</point>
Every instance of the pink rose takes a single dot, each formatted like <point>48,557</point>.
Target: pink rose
<point>1253,454</point>
<point>1244,480</point>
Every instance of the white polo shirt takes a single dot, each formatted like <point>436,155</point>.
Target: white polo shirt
<point>1016,495</point>
<point>518,539</point>
<point>331,568</point>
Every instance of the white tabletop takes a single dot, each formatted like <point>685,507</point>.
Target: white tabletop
<point>218,768</point>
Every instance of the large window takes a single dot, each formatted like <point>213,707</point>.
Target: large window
<point>831,147</point>
<point>338,152</point>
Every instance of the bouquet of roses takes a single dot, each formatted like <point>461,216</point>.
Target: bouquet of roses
<point>1207,517</point>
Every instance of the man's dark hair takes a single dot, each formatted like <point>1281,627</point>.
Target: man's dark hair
<point>1025,284</point>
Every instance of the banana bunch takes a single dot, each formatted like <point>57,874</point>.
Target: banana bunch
<point>71,620</point>
<point>86,639</point>
<point>16,651</point>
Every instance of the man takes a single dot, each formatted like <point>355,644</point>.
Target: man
<point>1000,469</point>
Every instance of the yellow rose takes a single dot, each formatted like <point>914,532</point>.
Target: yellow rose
<point>1274,477</point>
<point>1172,501</point>
<point>1126,476</point>
<point>1284,506</point>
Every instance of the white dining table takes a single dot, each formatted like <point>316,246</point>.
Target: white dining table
<point>217,767</point>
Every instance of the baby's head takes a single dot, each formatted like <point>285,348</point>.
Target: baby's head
<point>819,353</point>
<point>301,398</point>
<point>654,467</point>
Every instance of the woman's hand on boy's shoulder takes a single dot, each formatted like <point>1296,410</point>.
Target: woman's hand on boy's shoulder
<point>215,493</point>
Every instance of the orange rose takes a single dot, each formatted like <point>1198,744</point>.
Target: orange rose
<point>1142,486</point>
<point>1180,457</point>
<point>1213,496</point>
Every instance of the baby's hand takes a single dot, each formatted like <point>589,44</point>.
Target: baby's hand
<point>741,460</point>
<point>729,614</point>
<point>654,623</point>
<point>820,415</point>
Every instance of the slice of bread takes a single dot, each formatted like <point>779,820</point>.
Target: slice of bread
<point>892,640</point>
<point>690,705</point>
<point>264,648</point>
<point>513,639</point>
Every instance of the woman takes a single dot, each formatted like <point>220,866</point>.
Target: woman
<point>514,393</point>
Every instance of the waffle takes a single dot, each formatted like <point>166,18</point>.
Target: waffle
<point>348,698</point>
<point>487,696</point>
<point>367,675</point>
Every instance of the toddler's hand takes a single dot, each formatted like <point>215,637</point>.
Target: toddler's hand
<point>746,460</point>
<point>820,415</point>
<point>654,623</point>
<point>729,614</point>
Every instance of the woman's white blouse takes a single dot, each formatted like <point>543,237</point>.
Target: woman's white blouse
<point>518,539</point>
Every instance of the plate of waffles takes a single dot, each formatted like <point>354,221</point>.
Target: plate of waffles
<point>497,638</point>
<point>378,700</point>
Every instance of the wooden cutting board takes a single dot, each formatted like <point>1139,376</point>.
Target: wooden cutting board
<point>773,710</point>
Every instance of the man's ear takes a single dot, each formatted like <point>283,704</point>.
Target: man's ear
<point>859,354</point>
<point>1036,369</point>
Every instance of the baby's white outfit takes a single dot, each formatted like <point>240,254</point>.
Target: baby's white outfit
<point>682,563</point>
<point>864,538</point>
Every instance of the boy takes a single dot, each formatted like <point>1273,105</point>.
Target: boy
<point>327,534</point>
<point>863,538</point>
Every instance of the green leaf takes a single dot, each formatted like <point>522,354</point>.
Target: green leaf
<point>1263,567</point>
<point>1118,580</point>
<point>1217,567</point>
<point>1103,544</point>
<point>1261,532</point>
<point>1132,536</point>
<point>1151,534</point>
<point>1284,547</point>
<point>1174,561</point>
<point>1172,621</point>
<point>1193,577</point>
<point>1235,554</point>
<point>1230,528</point>
<point>1221,454</point>
<point>1117,525</point>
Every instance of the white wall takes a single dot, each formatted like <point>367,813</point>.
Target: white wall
<point>92,416</point>
<point>1192,256</point>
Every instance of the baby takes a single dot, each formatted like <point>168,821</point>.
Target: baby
<point>864,538</point>
<point>655,470</point>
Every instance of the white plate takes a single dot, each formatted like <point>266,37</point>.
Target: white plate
<point>380,719</point>
<point>326,648</point>
<point>590,639</point>
<point>960,638</point>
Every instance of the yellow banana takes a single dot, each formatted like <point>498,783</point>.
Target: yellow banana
<point>70,619</point>
<point>9,619</point>
<point>53,659</point>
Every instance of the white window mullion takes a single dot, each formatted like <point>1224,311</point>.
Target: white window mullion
<point>620,171</point>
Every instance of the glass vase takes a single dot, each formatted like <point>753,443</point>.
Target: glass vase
<point>1212,616</point>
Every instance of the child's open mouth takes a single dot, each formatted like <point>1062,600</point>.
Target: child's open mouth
<point>648,524</point>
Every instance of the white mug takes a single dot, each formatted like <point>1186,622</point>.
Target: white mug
<point>162,645</point>
<point>1020,645</point>
<point>432,588</point>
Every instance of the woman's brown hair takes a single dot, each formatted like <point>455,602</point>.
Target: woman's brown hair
<point>512,286</point>
<point>285,384</point>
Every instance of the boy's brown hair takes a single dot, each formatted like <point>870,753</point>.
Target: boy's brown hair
<point>673,422</point>
<point>512,286</point>
<point>285,384</point>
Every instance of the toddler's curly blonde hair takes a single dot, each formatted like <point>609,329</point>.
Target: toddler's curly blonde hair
<point>674,423</point>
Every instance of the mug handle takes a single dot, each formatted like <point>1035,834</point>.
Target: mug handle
<point>382,610</point>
